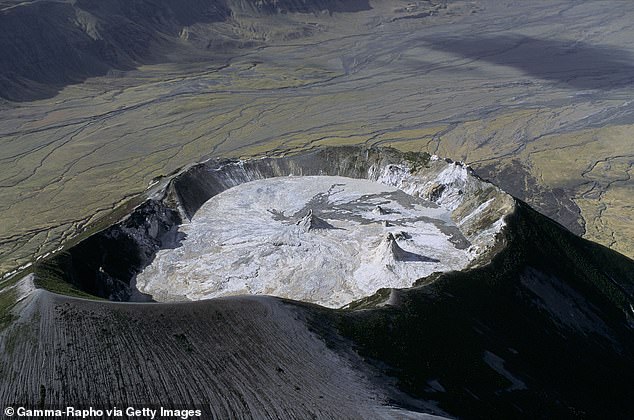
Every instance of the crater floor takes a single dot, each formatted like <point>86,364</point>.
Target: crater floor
<point>322,239</point>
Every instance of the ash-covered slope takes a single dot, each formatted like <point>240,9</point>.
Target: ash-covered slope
<point>46,44</point>
<point>541,327</point>
<point>246,357</point>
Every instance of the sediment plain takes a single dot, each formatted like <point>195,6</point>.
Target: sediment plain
<point>535,96</point>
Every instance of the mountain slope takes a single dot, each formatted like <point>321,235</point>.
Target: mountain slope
<point>544,330</point>
<point>48,44</point>
<point>538,332</point>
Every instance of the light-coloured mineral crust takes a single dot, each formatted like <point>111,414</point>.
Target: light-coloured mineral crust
<point>320,239</point>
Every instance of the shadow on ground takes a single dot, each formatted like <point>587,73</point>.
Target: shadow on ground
<point>576,64</point>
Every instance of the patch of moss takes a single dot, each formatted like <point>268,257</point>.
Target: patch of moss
<point>49,276</point>
<point>8,299</point>
<point>417,160</point>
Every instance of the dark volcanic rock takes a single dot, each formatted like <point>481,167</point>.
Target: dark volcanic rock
<point>107,263</point>
<point>529,335</point>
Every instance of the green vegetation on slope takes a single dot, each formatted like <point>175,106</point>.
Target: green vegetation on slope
<point>417,160</point>
<point>448,332</point>
<point>8,299</point>
<point>49,275</point>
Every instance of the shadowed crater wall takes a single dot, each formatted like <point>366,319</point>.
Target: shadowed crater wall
<point>543,329</point>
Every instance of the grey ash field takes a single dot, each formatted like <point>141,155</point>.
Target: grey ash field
<point>120,120</point>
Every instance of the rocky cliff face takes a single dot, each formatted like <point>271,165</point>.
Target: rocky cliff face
<point>106,264</point>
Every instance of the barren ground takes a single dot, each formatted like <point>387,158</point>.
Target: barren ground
<point>320,239</point>
<point>535,95</point>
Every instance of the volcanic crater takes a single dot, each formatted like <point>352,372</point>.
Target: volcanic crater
<point>329,227</point>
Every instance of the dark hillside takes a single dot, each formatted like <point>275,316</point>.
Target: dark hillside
<point>545,330</point>
<point>47,45</point>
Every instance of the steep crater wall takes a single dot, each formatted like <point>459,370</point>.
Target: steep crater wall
<point>107,263</point>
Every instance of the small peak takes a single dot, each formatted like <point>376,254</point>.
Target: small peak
<point>386,223</point>
<point>311,222</point>
<point>390,252</point>
<point>380,210</point>
<point>402,235</point>
<point>389,247</point>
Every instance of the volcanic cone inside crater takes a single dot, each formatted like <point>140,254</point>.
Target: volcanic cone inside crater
<point>324,239</point>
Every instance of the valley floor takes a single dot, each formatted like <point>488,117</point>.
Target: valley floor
<point>535,96</point>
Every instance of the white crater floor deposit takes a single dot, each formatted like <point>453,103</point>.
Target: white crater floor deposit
<point>322,239</point>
